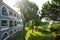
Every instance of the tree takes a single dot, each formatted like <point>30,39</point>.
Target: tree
<point>51,10</point>
<point>46,9</point>
<point>55,7</point>
<point>28,9</point>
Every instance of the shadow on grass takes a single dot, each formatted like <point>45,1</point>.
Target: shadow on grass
<point>17,36</point>
<point>39,38</point>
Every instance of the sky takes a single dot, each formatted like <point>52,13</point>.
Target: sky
<point>38,2</point>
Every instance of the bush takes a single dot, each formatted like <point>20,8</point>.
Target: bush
<point>56,25</point>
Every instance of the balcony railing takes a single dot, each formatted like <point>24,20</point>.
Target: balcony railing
<point>4,28</point>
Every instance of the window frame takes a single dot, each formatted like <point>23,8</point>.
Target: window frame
<point>10,32</point>
<point>15,15</point>
<point>2,11</point>
<point>12,23</point>
<point>11,12</point>
<point>5,20</point>
<point>15,23</point>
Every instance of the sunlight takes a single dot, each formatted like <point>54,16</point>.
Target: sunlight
<point>12,2</point>
<point>43,20</point>
<point>39,2</point>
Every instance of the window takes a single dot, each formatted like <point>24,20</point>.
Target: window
<point>15,30</point>
<point>15,15</point>
<point>15,24</point>
<point>11,24</point>
<point>11,13</point>
<point>18,17</point>
<point>4,23</point>
<point>4,36</point>
<point>11,32</point>
<point>4,11</point>
<point>19,23</point>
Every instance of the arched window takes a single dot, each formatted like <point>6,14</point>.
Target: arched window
<point>4,36</point>
<point>4,11</point>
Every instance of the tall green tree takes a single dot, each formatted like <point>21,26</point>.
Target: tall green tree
<point>55,9</point>
<point>28,9</point>
<point>51,10</point>
<point>46,9</point>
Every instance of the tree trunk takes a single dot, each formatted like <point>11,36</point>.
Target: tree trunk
<point>24,30</point>
<point>32,26</point>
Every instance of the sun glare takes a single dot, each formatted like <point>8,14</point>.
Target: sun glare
<point>10,3</point>
<point>39,2</point>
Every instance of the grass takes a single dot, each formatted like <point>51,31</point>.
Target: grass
<point>35,35</point>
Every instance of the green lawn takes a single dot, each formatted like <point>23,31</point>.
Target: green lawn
<point>36,35</point>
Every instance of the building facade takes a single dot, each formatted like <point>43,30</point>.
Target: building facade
<point>10,21</point>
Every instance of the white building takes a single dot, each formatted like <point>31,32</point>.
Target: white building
<point>10,21</point>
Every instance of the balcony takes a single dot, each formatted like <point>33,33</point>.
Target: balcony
<point>4,28</point>
<point>4,24</point>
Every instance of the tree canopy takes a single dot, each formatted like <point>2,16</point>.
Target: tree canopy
<point>51,10</point>
<point>29,9</point>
